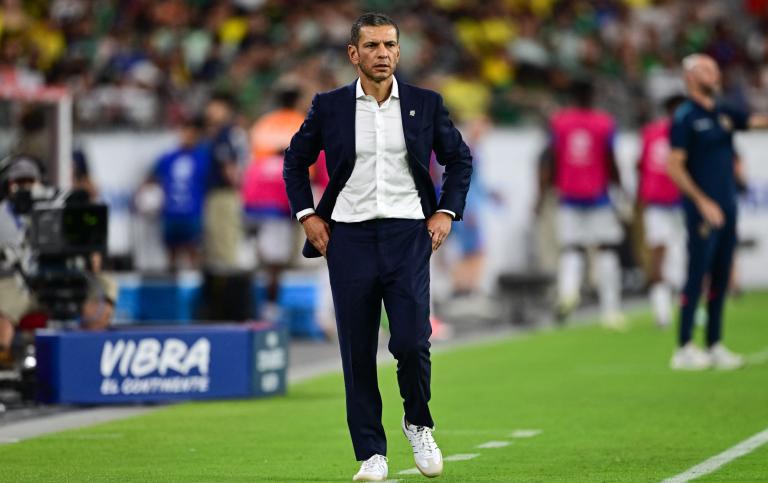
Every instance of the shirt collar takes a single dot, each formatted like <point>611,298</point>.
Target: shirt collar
<point>359,93</point>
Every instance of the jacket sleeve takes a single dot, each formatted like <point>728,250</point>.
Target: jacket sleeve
<point>452,152</point>
<point>305,146</point>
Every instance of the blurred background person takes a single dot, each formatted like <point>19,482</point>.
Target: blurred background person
<point>222,213</point>
<point>180,179</point>
<point>267,210</point>
<point>22,182</point>
<point>81,175</point>
<point>19,177</point>
<point>662,215</point>
<point>582,145</point>
<point>701,162</point>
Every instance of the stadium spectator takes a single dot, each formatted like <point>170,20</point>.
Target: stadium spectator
<point>81,175</point>
<point>378,223</point>
<point>222,218</point>
<point>146,64</point>
<point>584,166</point>
<point>662,215</point>
<point>182,176</point>
<point>701,162</point>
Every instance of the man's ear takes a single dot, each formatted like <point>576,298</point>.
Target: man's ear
<point>354,55</point>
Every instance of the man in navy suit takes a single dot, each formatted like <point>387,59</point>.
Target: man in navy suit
<point>377,224</point>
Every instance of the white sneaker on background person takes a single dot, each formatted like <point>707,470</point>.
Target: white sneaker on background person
<point>614,321</point>
<point>690,358</point>
<point>724,359</point>
<point>426,454</point>
<point>372,469</point>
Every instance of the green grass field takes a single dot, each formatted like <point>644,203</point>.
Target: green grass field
<point>607,406</point>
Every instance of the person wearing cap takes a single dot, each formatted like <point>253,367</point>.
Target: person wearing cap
<point>23,175</point>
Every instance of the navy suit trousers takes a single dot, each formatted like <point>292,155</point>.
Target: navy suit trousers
<point>370,262</point>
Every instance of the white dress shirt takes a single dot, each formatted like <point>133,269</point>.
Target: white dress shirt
<point>381,184</point>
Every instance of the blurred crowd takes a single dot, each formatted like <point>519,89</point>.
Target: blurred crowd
<point>148,63</point>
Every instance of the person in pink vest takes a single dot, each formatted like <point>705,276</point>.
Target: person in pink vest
<point>267,210</point>
<point>582,139</point>
<point>662,213</point>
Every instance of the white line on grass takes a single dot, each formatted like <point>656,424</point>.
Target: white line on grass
<point>757,358</point>
<point>409,471</point>
<point>525,433</point>
<point>715,462</point>
<point>494,444</point>
<point>461,457</point>
<point>8,440</point>
<point>454,457</point>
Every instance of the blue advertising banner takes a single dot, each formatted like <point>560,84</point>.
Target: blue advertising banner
<point>200,362</point>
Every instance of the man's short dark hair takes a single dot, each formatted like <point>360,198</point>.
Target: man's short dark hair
<point>583,92</point>
<point>223,97</point>
<point>287,97</point>
<point>371,19</point>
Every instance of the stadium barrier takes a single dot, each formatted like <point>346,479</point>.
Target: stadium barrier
<point>162,364</point>
<point>179,299</point>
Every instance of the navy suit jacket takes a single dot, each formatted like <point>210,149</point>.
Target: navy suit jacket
<point>330,126</point>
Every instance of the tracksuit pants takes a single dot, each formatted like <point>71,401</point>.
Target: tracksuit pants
<point>710,252</point>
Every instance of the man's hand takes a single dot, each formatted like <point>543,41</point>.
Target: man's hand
<point>317,232</point>
<point>711,212</point>
<point>438,226</point>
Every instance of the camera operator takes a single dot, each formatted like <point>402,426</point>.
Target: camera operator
<point>22,185</point>
<point>22,177</point>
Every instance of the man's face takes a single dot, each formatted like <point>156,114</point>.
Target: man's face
<point>22,184</point>
<point>377,53</point>
<point>189,136</point>
<point>217,113</point>
<point>707,77</point>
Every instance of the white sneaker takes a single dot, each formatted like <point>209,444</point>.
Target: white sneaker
<point>614,321</point>
<point>724,359</point>
<point>690,358</point>
<point>372,469</point>
<point>429,459</point>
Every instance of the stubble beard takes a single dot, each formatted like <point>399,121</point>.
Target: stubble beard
<point>710,91</point>
<point>375,76</point>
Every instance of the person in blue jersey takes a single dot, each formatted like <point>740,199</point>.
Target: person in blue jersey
<point>183,174</point>
<point>701,162</point>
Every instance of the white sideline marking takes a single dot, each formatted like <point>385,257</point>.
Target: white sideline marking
<point>8,440</point>
<point>493,444</point>
<point>410,471</point>
<point>461,457</point>
<point>454,457</point>
<point>757,358</point>
<point>715,462</point>
<point>525,433</point>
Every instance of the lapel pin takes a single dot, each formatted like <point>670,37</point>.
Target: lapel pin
<point>412,113</point>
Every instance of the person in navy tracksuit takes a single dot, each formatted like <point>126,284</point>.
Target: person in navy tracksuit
<point>702,164</point>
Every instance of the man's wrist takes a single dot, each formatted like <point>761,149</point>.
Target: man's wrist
<point>306,217</point>
<point>303,212</point>
<point>448,212</point>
